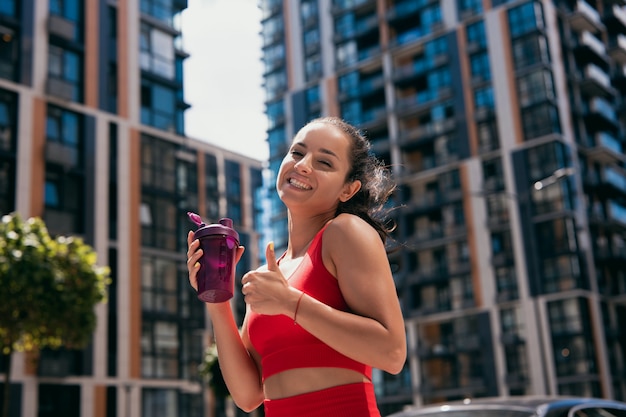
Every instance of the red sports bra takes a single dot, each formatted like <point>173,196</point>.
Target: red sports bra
<point>284,345</point>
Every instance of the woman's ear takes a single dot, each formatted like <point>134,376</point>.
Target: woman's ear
<point>349,190</point>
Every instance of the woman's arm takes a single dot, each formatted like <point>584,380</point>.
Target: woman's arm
<point>239,368</point>
<point>375,333</point>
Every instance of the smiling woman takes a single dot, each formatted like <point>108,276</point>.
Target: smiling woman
<point>323,314</point>
<point>223,75</point>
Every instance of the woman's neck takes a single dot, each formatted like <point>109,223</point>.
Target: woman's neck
<point>302,231</point>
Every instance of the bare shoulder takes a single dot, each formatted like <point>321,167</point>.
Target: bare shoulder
<point>350,233</point>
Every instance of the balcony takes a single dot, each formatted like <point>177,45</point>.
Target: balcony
<point>605,148</point>
<point>342,6</point>
<point>584,17</point>
<point>58,153</point>
<point>594,81</point>
<point>615,20</point>
<point>406,75</point>
<point>60,88</point>
<point>403,10</point>
<point>615,178</point>
<point>590,49</point>
<point>617,49</point>
<point>61,27</point>
<point>619,79</point>
<point>616,212</point>
<point>421,100</point>
<point>422,134</point>
<point>600,115</point>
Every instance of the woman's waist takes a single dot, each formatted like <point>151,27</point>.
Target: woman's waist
<point>299,381</point>
<point>309,356</point>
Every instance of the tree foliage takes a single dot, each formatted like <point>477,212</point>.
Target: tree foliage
<point>50,287</point>
<point>210,370</point>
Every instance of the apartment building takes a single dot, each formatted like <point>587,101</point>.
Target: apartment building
<point>92,140</point>
<point>504,123</point>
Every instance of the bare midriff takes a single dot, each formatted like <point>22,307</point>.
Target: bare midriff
<point>302,380</point>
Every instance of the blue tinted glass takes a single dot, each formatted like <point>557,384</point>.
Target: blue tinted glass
<point>70,128</point>
<point>7,7</point>
<point>4,114</point>
<point>52,128</point>
<point>71,68</point>
<point>163,99</point>
<point>72,9</point>
<point>51,194</point>
<point>56,7</point>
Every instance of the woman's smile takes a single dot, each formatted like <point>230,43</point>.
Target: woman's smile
<point>299,184</point>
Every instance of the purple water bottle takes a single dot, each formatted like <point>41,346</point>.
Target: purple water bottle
<point>216,277</point>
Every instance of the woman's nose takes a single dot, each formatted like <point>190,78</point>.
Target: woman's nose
<point>304,164</point>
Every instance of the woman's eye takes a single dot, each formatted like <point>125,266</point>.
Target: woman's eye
<point>325,163</point>
<point>296,153</point>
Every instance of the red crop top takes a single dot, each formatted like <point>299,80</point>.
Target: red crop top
<point>284,345</point>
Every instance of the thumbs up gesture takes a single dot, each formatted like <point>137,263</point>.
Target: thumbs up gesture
<point>266,290</point>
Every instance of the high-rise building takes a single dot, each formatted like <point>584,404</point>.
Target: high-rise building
<point>92,140</point>
<point>504,124</point>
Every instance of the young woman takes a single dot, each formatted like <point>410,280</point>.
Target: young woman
<point>323,314</point>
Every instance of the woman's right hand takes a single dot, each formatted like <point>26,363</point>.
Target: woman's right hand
<point>194,253</point>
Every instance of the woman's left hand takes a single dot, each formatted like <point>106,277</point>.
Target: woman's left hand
<point>267,291</point>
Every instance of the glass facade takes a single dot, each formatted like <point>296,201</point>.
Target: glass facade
<point>503,123</point>
<point>71,154</point>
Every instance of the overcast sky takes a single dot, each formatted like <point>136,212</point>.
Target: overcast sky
<point>223,75</point>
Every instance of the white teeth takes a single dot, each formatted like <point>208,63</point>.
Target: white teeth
<point>299,184</point>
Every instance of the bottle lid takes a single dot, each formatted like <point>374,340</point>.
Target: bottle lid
<point>223,227</point>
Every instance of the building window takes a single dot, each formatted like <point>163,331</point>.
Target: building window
<point>535,87</point>
<point>273,57</point>
<point>111,97</point>
<point>506,283</point>
<point>64,200</point>
<point>162,10</point>
<point>233,192</point>
<point>525,19</point>
<point>56,399</point>
<point>70,11</point>
<point>64,187</point>
<point>7,186</point>
<point>158,106</point>
<point>571,337</point>
<point>275,84</point>
<point>560,273</point>
<point>469,7</point>
<point>65,68</point>
<point>272,30</point>
<point>212,189</point>
<point>9,53</point>
<point>313,67</point>
<point>159,197</point>
<point>476,35</point>
<point>529,51</point>
<point>63,126</point>
<point>483,99</point>
<point>8,8</point>
<point>159,286</point>
<point>159,349</point>
<point>540,121</point>
<point>480,68</point>
<point>156,52</point>
<point>8,105</point>
<point>545,159</point>
<point>159,402</point>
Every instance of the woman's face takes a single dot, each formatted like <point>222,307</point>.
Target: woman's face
<point>313,173</point>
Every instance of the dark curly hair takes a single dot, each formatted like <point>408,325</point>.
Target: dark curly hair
<point>376,182</point>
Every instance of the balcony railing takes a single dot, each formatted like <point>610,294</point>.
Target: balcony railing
<point>585,17</point>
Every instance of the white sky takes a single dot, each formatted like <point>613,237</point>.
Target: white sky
<point>223,75</point>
